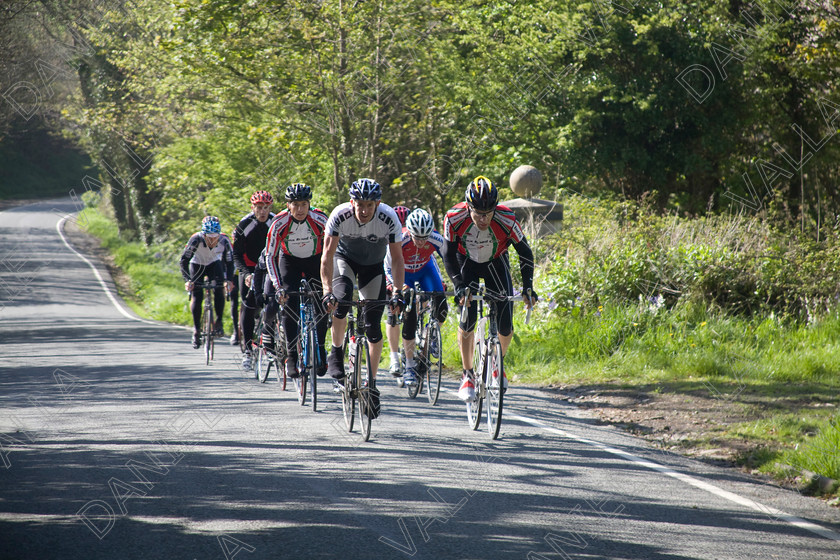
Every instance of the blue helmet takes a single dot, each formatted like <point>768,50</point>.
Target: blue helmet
<point>298,191</point>
<point>365,189</point>
<point>210,224</point>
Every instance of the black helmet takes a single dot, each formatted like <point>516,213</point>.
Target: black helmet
<point>481,194</point>
<point>298,191</point>
<point>365,189</point>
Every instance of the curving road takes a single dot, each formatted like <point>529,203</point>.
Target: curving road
<point>117,442</point>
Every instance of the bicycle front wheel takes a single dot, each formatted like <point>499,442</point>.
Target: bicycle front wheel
<point>263,366</point>
<point>494,383</point>
<point>300,380</point>
<point>208,335</point>
<point>282,353</point>
<point>474,406</point>
<point>434,365</point>
<point>364,377</point>
<point>312,360</point>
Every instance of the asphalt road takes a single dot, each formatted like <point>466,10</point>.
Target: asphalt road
<point>116,441</point>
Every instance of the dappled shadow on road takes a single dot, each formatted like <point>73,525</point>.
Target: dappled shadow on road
<point>277,503</point>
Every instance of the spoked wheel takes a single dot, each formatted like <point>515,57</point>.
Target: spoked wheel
<point>494,383</point>
<point>264,361</point>
<point>348,402</point>
<point>312,350</point>
<point>281,354</point>
<point>363,374</point>
<point>208,336</point>
<point>474,406</point>
<point>433,365</point>
<point>415,387</point>
<point>300,381</point>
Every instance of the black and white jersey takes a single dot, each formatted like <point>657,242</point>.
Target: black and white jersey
<point>197,252</point>
<point>364,244</point>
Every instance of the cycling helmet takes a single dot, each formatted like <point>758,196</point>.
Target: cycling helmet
<point>210,224</point>
<point>365,189</point>
<point>298,191</point>
<point>402,213</point>
<point>420,223</point>
<point>481,194</point>
<point>261,197</point>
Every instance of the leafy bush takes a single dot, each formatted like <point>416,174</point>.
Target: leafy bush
<point>611,252</point>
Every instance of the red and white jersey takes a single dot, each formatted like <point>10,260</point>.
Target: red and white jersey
<point>482,246</point>
<point>415,258</point>
<point>287,236</point>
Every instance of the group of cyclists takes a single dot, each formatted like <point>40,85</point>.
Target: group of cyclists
<point>363,243</point>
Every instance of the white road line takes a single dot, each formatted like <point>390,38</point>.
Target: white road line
<point>59,226</point>
<point>687,479</point>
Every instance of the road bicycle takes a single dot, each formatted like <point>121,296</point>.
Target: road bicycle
<point>358,388</point>
<point>427,345</point>
<point>268,354</point>
<point>490,376</point>
<point>307,344</point>
<point>208,318</point>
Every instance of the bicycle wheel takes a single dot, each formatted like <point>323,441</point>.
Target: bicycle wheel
<point>208,334</point>
<point>312,360</point>
<point>300,380</point>
<point>264,360</point>
<point>474,406</point>
<point>281,352</point>
<point>493,382</point>
<point>348,401</point>
<point>434,366</point>
<point>414,388</point>
<point>363,374</point>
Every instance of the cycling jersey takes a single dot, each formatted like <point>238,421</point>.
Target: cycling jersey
<point>249,239</point>
<point>364,244</point>
<point>288,237</point>
<point>481,246</point>
<point>415,258</point>
<point>465,244</point>
<point>198,253</point>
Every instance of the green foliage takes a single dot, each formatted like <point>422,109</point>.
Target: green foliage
<point>621,252</point>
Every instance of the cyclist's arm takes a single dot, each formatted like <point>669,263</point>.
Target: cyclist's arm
<point>186,256</point>
<point>327,262</point>
<point>227,262</point>
<point>397,264</point>
<point>272,250</point>
<point>450,262</point>
<point>526,266</point>
<point>239,250</point>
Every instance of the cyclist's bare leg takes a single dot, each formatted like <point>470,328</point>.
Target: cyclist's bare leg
<point>339,326</point>
<point>408,346</point>
<point>375,353</point>
<point>466,343</point>
<point>504,340</point>
<point>393,334</point>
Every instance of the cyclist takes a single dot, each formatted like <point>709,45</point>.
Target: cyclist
<point>478,232</point>
<point>358,234</point>
<point>295,245</point>
<point>249,239</point>
<point>419,243</point>
<point>207,253</point>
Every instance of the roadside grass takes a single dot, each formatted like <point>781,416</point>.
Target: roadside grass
<point>786,374</point>
<point>156,286</point>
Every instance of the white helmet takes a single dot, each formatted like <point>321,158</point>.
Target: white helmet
<point>420,223</point>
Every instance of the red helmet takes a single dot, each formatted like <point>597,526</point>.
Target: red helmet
<point>402,213</point>
<point>261,197</point>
